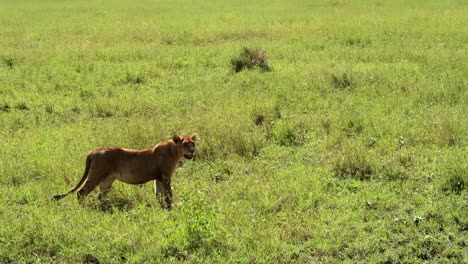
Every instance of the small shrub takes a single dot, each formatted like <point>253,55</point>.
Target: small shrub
<point>250,58</point>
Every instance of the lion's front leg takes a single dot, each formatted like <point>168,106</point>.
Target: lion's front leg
<point>163,193</point>
<point>158,190</point>
<point>168,194</point>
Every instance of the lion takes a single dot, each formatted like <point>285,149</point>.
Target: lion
<point>104,165</point>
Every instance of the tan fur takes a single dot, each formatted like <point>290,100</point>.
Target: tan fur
<point>104,165</point>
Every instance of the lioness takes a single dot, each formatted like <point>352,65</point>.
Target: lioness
<point>104,165</point>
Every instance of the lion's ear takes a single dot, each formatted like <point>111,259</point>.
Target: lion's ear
<point>176,139</point>
<point>194,137</point>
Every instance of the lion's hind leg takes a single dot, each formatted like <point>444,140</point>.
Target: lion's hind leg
<point>89,186</point>
<point>105,187</point>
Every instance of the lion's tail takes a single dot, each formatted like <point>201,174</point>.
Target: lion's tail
<point>74,189</point>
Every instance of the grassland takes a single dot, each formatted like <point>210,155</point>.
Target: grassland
<point>353,148</point>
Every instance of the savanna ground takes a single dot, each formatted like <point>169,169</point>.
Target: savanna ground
<point>353,148</point>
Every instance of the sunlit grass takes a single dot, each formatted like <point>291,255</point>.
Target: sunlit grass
<point>352,148</point>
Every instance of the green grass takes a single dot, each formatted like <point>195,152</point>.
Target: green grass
<point>353,148</point>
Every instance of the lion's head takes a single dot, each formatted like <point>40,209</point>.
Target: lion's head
<point>186,144</point>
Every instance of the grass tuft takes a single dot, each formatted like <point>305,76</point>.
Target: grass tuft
<point>86,94</point>
<point>75,109</point>
<point>355,168</point>
<point>195,234</point>
<point>22,106</point>
<point>259,119</point>
<point>449,131</point>
<point>342,81</point>
<point>353,128</point>
<point>456,181</point>
<point>5,107</point>
<point>134,78</point>
<point>101,110</point>
<point>119,203</point>
<point>286,133</point>
<point>392,171</point>
<point>49,108</point>
<point>353,151</point>
<point>357,41</point>
<point>8,61</point>
<point>90,259</point>
<point>353,163</point>
<point>249,59</point>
